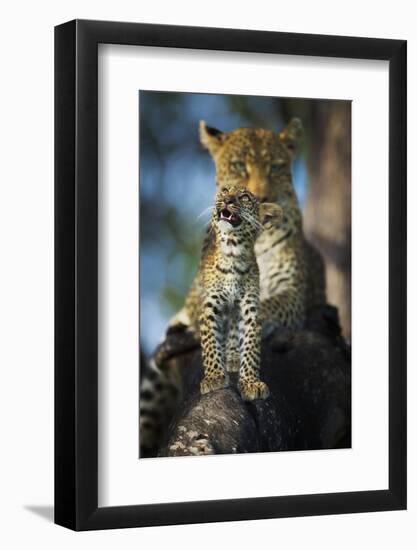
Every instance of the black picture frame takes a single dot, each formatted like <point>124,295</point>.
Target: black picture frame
<point>76,272</point>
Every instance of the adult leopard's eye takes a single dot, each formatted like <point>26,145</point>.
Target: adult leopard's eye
<point>277,166</point>
<point>238,166</point>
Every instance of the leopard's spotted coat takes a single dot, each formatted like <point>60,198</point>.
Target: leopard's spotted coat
<point>227,316</point>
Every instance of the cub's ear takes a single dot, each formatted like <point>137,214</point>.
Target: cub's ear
<point>290,136</point>
<point>270,212</point>
<point>211,138</point>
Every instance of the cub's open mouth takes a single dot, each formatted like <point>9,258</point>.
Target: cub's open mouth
<point>227,216</point>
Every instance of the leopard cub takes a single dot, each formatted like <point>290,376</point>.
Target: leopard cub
<point>228,284</point>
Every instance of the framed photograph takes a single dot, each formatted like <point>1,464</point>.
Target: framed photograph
<point>230,256</point>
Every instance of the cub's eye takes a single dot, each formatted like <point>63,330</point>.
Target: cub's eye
<point>238,166</point>
<point>277,166</point>
<point>245,197</point>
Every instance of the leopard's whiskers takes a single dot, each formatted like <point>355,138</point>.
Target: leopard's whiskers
<point>251,220</point>
<point>208,209</point>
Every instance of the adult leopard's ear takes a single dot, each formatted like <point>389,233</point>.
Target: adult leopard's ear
<point>291,134</point>
<point>211,138</point>
<point>270,212</point>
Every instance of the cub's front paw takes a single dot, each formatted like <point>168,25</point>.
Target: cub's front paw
<point>253,390</point>
<point>233,362</point>
<point>213,382</point>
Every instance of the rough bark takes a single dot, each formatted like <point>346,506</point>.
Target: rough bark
<point>308,373</point>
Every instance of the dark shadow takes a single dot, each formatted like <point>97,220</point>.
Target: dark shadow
<point>45,512</point>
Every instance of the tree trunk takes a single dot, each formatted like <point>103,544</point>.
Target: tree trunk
<point>308,374</point>
<point>327,218</point>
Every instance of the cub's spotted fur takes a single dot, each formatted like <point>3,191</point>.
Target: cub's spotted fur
<point>228,287</point>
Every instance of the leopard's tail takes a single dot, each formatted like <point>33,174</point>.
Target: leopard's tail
<point>161,388</point>
<point>159,394</point>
